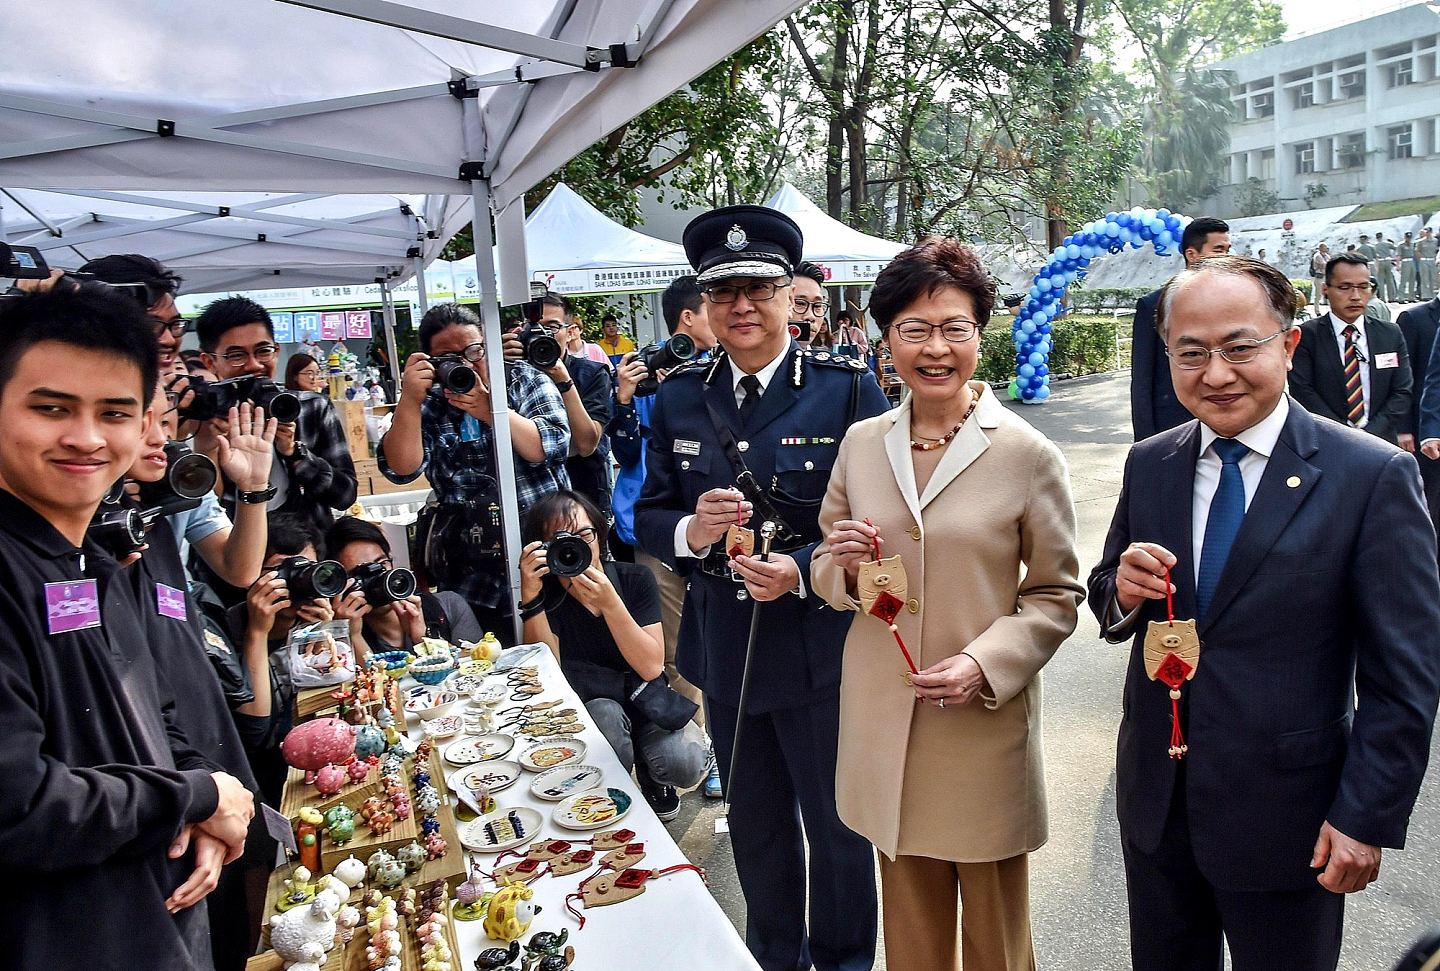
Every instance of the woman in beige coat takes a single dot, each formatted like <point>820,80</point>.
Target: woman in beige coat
<point>943,770</point>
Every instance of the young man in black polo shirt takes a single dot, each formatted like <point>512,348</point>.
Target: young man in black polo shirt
<point>103,799</point>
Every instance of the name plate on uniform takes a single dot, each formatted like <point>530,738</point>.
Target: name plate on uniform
<point>684,447</point>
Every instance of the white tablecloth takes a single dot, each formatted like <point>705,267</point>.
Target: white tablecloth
<point>674,924</point>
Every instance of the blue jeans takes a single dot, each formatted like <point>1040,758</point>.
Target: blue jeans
<point>672,758</point>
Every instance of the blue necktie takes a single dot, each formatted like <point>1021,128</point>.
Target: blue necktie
<point>1227,512</point>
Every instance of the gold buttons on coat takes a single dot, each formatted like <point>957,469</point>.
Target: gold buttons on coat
<point>1293,482</point>
<point>915,532</point>
<point>914,605</point>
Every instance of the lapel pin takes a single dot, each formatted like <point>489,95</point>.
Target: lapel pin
<point>1293,482</point>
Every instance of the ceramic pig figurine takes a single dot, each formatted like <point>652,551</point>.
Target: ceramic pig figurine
<point>306,933</point>
<point>330,780</point>
<point>412,855</point>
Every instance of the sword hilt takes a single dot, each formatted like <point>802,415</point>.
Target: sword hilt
<point>767,536</point>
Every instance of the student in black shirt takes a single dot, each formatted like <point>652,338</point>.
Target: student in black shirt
<point>604,626</point>
<point>104,801</point>
<point>400,624</point>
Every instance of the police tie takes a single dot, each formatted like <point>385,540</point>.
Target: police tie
<point>751,384</point>
<point>1354,390</point>
<point>1227,511</point>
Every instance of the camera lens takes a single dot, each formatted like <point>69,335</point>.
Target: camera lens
<point>190,474</point>
<point>453,374</point>
<point>681,346</point>
<point>384,586</point>
<point>284,407</point>
<point>307,580</point>
<point>541,350</point>
<point>119,532</point>
<point>567,555</point>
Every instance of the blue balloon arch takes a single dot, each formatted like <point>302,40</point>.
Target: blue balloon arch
<point>1035,323</point>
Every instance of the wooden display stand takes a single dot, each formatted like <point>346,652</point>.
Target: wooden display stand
<point>314,702</point>
<point>351,957</point>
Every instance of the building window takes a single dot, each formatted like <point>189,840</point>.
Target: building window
<point>1350,153</point>
<point>1305,96</point>
<point>1262,105</point>
<point>1401,73</point>
<point>1305,158</point>
<point>1399,139</point>
<point>1352,85</point>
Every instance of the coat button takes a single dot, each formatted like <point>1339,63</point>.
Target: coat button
<point>809,466</point>
<point>914,605</point>
<point>742,595</point>
<point>685,464</point>
<point>743,446</point>
<point>915,532</point>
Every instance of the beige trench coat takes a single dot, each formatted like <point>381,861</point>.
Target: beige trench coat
<point>964,783</point>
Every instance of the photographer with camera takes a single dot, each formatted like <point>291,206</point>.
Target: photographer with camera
<point>104,798</point>
<point>295,589</point>
<point>385,609</point>
<point>314,474</point>
<point>153,287</point>
<point>441,427</point>
<point>602,620</point>
<point>585,387</point>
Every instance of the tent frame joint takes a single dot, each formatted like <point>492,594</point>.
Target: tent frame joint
<point>165,128</point>
<point>470,171</point>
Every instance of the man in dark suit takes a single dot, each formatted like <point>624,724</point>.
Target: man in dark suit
<point>768,407</point>
<point>1419,325</point>
<point>1301,549</point>
<point>1153,406</point>
<point>1353,368</point>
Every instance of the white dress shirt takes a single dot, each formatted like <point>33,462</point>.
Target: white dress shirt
<point>1261,438</point>
<point>1364,348</point>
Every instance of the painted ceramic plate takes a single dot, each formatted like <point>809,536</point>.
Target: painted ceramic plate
<point>515,656</point>
<point>494,775</point>
<point>466,684</point>
<point>476,667</point>
<point>592,810</point>
<point>552,752</point>
<point>483,748</point>
<point>501,830</point>
<point>442,727</point>
<point>492,695</point>
<point>565,780</point>
<point>429,702</point>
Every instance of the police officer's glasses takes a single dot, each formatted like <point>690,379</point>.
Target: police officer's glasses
<point>818,308</point>
<point>1191,358</point>
<point>919,331</point>
<point>753,292</point>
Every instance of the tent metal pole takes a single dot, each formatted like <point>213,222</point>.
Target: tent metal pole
<point>422,297</point>
<point>387,307</point>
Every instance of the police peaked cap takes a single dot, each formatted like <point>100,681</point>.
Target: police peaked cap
<point>742,241</point>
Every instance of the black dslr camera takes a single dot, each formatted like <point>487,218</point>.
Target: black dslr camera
<point>567,555</point>
<point>383,585</point>
<point>211,399</point>
<point>188,475</point>
<point>662,356</point>
<point>454,373</point>
<point>308,580</point>
<point>121,529</point>
<point>542,350</point>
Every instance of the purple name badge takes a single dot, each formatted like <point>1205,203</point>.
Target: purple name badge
<point>170,602</point>
<point>72,605</point>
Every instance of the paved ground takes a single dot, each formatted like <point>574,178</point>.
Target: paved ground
<point>1078,889</point>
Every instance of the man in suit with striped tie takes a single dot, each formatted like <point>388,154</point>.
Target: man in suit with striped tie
<point>1353,368</point>
<point>1301,550</point>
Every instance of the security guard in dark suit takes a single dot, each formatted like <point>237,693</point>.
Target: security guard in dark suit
<point>768,408</point>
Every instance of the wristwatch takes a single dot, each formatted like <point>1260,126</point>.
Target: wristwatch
<point>564,386</point>
<point>256,498</point>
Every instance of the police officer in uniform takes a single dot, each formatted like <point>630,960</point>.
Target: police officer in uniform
<point>766,406</point>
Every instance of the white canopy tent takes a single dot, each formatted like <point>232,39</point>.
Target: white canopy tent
<point>362,96</point>
<point>575,248</point>
<point>846,254</point>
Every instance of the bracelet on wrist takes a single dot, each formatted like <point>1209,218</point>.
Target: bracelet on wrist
<point>531,613</point>
<point>535,601</point>
<point>564,386</point>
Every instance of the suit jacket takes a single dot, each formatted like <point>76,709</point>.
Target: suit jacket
<point>991,569</point>
<point>1419,325</point>
<point>789,443</point>
<point>1153,405</point>
<point>1330,591</point>
<point>1317,378</point>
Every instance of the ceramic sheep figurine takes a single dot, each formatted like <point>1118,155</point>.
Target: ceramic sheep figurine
<point>306,933</point>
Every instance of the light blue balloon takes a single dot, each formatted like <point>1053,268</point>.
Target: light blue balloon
<point>1035,292</point>
<point>1072,251</point>
<point>1026,370</point>
<point>1036,357</point>
<point>1022,381</point>
<point>1041,393</point>
<point>1112,230</point>
<point>1028,327</point>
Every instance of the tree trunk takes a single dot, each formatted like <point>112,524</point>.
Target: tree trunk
<point>835,137</point>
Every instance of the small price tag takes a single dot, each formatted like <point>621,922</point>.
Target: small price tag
<point>279,828</point>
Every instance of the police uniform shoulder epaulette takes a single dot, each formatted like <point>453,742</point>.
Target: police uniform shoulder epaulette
<point>831,359</point>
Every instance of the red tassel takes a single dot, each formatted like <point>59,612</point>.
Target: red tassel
<point>1173,671</point>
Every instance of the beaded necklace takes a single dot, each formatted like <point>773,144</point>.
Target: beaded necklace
<point>942,442</point>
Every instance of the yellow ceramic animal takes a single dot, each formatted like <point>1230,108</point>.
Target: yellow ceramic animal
<point>509,911</point>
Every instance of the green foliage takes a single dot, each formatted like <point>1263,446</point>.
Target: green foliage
<point>1099,299</point>
<point>1254,199</point>
<point>1315,191</point>
<point>1081,344</point>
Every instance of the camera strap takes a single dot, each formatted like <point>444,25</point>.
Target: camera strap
<point>745,480</point>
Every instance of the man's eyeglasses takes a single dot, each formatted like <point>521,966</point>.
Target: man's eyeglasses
<point>262,353</point>
<point>753,292</point>
<point>587,533</point>
<point>919,331</point>
<point>1192,358</point>
<point>474,353</point>
<point>1348,287</point>
<point>817,307</point>
<point>177,328</point>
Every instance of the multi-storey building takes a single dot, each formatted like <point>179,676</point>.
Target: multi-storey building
<point>1355,109</point>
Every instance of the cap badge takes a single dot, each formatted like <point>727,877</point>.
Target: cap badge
<point>736,240</point>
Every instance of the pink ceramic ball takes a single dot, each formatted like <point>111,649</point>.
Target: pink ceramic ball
<point>317,743</point>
